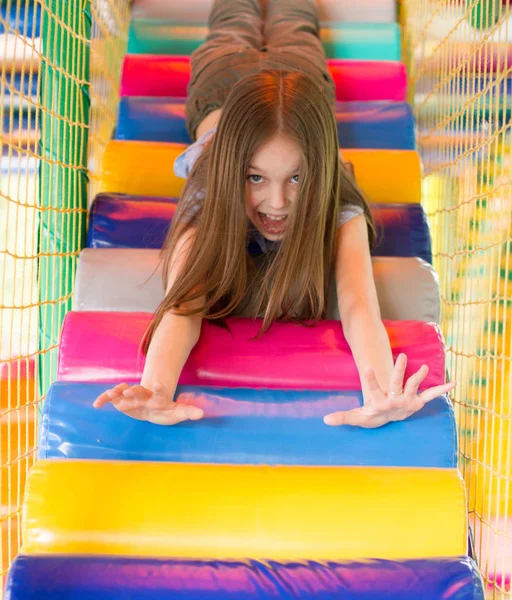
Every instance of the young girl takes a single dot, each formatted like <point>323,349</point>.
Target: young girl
<point>269,215</point>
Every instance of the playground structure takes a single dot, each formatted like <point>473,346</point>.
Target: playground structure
<point>62,176</point>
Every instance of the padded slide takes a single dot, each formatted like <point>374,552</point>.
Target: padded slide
<point>169,75</point>
<point>113,578</point>
<point>227,511</point>
<point>245,426</point>
<point>371,11</point>
<point>360,41</point>
<point>118,221</point>
<point>102,346</point>
<point>111,279</point>
<point>377,125</point>
<point>146,169</point>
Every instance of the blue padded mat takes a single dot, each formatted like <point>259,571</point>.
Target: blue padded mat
<point>21,17</point>
<point>377,125</point>
<point>114,578</point>
<point>21,83</point>
<point>245,426</point>
<point>123,221</point>
<point>19,120</point>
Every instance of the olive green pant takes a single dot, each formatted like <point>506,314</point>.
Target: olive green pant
<point>239,44</point>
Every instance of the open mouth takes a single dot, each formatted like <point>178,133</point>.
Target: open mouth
<point>272,224</point>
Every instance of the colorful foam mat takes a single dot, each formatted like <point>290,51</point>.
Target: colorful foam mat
<point>377,125</point>
<point>169,75</point>
<point>112,578</point>
<point>363,41</point>
<point>146,169</point>
<point>360,11</point>
<point>103,346</point>
<point>157,509</point>
<point>118,221</point>
<point>130,280</point>
<point>245,426</point>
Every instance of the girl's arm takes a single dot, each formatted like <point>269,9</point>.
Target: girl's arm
<point>358,303</point>
<point>176,335</point>
<point>387,397</point>
<point>173,340</point>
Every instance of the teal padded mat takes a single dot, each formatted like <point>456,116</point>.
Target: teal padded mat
<point>358,41</point>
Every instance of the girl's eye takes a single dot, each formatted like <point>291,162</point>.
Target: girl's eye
<point>259,178</point>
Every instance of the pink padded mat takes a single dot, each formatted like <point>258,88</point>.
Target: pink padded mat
<point>164,75</point>
<point>102,346</point>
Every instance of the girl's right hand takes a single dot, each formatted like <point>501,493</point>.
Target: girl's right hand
<point>154,405</point>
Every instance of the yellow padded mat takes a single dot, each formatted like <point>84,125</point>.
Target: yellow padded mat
<point>224,511</point>
<point>146,168</point>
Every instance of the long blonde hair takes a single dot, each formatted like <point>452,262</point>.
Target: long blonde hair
<point>292,282</point>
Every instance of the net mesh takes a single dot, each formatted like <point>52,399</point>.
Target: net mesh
<point>60,63</point>
<point>459,55</point>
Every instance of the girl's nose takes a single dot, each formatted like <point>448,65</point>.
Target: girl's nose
<point>278,199</point>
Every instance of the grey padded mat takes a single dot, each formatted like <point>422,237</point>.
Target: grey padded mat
<point>115,279</point>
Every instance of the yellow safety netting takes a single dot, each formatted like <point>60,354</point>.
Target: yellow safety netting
<point>59,76</point>
<point>460,57</point>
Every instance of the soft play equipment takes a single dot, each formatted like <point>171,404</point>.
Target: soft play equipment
<point>169,75</point>
<point>345,11</point>
<point>133,222</point>
<point>259,499</point>
<point>102,346</point>
<point>120,279</point>
<point>281,427</point>
<point>377,125</point>
<point>363,41</point>
<point>265,512</point>
<point>110,578</point>
<point>146,169</point>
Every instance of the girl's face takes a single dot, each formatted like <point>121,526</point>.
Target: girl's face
<point>272,184</point>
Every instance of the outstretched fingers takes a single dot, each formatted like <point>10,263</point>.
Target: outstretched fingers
<point>414,381</point>
<point>110,395</point>
<point>396,380</point>
<point>436,391</point>
<point>351,417</point>
<point>186,412</point>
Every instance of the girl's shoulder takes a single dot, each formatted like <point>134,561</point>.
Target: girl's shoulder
<point>186,160</point>
<point>347,212</point>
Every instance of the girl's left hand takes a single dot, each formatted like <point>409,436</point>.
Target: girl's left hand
<point>396,404</point>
